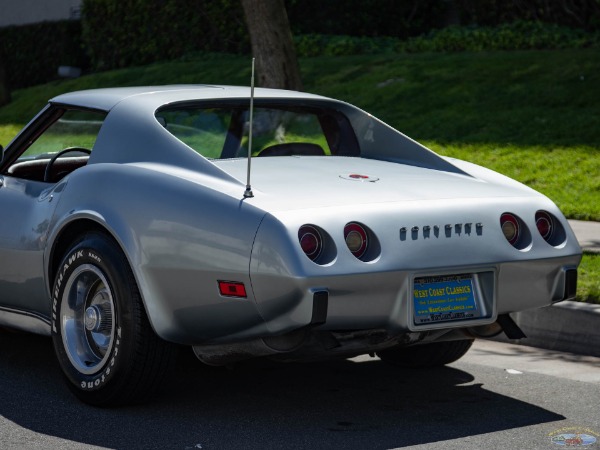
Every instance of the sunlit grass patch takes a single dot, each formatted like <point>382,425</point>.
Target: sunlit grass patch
<point>8,131</point>
<point>588,283</point>
<point>565,174</point>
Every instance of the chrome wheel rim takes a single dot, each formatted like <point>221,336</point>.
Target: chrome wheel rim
<point>87,314</point>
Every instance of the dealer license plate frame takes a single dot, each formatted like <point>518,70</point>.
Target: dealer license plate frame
<point>441,299</point>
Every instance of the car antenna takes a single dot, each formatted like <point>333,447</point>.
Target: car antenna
<point>248,192</point>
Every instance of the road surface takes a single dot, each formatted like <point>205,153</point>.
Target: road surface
<point>498,396</point>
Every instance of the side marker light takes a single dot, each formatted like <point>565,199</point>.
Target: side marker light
<point>232,289</point>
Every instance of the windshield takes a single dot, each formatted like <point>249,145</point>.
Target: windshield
<point>222,132</point>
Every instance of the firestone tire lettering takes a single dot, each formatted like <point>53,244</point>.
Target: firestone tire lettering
<point>101,334</point>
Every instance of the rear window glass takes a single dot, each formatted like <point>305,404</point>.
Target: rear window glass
<point>222,132</point>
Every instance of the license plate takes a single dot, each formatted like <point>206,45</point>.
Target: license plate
<point>444,299</point>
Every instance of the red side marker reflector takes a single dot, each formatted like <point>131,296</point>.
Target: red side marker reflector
<point>232,289</point>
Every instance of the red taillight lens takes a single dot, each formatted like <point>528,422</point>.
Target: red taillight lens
<point>311,241</point>
<point>545,224</point>
<point>510,228</point>
<point>356,239</point>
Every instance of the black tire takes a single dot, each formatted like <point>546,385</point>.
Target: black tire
<point>103,340</point>
<point>426,355</point>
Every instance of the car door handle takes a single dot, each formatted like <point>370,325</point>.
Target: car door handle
<point>1,181</point>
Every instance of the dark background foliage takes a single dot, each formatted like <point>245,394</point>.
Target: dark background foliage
<point>405,18</point>
<point>583,14</point>
<point>125,33</point>
<point>122,33</point>
<point>33,53</point>
<point>366,17</point>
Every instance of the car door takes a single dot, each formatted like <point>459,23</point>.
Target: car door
<point>27,206</point>
<point>33,173</point>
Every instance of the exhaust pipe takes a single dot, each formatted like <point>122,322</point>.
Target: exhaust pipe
<point>503,323</point>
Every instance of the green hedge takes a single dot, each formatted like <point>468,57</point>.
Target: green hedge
<point>584,14</point>
<point>409,18</point>
<point>33,53</point>
<point>370,18</point>
<point>515,36</point>
<point>328,45</point>
<point>123,33</point>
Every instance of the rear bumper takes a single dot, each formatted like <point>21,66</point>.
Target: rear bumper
<point>385,300</point>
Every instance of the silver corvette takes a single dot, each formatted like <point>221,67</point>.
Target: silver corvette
<point>135,221</point>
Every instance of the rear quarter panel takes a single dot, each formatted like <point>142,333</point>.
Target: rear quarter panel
<point>179,236</point>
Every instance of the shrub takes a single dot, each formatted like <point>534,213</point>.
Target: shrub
<point>33,53</point>
<point>515,36</point>
<point>320,44</point>
<point>370,18</point>
<point>583,14</point>
<point>123,33</point>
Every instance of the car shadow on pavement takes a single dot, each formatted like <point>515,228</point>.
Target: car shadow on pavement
<point>262,404</point>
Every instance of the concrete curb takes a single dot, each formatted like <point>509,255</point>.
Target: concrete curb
<point>567,326</point>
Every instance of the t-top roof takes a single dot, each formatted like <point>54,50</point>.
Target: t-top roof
<point>106,99</point>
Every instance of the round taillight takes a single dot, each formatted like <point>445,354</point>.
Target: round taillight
<point>311,241</point>
<point>510,228</point>
<point>356,239</point>
<point>544,224</point>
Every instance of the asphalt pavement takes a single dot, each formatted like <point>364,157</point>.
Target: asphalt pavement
<point>497,396</point>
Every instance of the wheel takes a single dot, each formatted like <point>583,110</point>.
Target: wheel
<point>103,340</point>
<point>427,355</point>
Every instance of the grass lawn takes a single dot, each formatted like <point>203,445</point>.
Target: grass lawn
<point>588,284</point>
<point>562,172</point>
<point>531,115</point>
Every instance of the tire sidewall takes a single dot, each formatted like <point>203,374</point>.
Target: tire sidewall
<point>96,250</point>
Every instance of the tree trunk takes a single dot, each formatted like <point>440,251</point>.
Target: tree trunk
<point>4,91</point>
<point>272,45</point>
